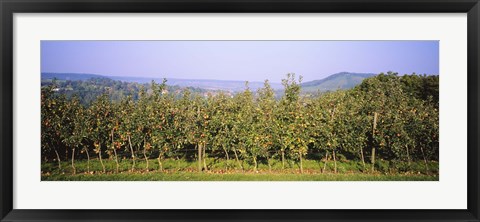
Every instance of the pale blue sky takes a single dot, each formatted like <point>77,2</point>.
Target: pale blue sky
<point>238,60</point>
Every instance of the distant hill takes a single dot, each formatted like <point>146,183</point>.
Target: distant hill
<point>342,80</point>
<point>70,76</point>
<point>208,84</point>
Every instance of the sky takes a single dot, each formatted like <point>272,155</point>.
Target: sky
<point>238,60</point>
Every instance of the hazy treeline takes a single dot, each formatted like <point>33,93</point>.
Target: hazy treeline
<point>388,117</point>
<point>88,90</point>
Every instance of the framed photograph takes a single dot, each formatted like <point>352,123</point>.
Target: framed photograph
<point>239,110</point>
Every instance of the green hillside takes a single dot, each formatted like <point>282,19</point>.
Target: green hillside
<point>342,80</point>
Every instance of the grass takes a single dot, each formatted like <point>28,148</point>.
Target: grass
<point>221,170</point>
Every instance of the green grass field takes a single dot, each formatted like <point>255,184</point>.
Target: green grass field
<point>220,170</point>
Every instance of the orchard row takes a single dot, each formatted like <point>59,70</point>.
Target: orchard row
<point>386,117</point>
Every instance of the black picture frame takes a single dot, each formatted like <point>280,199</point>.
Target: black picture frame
<point>9,7</point>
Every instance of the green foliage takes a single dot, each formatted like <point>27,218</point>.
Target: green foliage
<point>250,130</point>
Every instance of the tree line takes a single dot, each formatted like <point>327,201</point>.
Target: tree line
<point>88,90</point>
<point>387,117</point>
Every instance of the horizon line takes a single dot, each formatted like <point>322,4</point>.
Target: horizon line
<point>153,78</point>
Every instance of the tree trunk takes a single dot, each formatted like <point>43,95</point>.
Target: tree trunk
<point>199,147</point>
<point>325,162</point>
<point>115,152</point>
<point>116,159</point>
<point>283,158</point>
<point>334,161</point>
<point>424,158</point>
<point>133,154</point>
<point>159,159</point>
<point>88,160</point>
<point>373,159</point>
<point>363,158</point>
<point>73,163</point>
<point>255,163</point>
<point>226,155</point>
<point>204,147</point>
<point>236,157</point>
<point>145,153</point>
<point>58,159</point>
<point>301,163</point>
<point>408,155</point>
<point>100,157</point>
<point>375,114</point>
